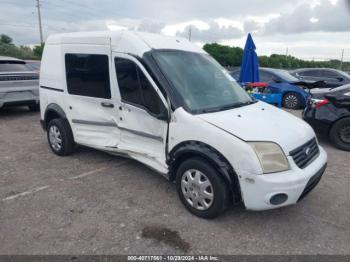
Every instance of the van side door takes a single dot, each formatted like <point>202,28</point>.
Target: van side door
<point>143,108</point>
<point>90,102</point>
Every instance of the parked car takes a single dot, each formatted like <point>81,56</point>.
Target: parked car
<point>294,92</point>
<point>19,86</point>
<point>166,103</point>
<point>294,95</point>
<point>330,116</point>
<point>331,77</point>
<point>33,65</point>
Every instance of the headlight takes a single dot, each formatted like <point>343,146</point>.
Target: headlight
<point>271,157</point>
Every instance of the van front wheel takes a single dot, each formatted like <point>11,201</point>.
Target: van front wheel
<point>201,188</point>
<point>60,137</point>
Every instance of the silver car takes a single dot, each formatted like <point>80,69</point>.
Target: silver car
<point>19,85</point>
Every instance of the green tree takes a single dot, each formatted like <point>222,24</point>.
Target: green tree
<point>225,55</point>
<point>38,50</point>
<point>7,48</point>
<point>5,39</point>
<point>232,56</point>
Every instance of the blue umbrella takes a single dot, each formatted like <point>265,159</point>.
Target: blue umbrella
<point>250,63</point>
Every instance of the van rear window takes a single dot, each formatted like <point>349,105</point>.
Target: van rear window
<point>88,75</point>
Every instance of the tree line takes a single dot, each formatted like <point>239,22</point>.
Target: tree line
<point>8,48</point>
<point>232,57</point>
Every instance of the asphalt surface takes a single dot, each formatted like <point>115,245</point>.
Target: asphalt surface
<point>95,203</point>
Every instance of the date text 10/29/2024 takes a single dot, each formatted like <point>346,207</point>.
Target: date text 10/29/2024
<point>173,258</point>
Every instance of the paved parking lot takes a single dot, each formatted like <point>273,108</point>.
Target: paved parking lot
<point>95,203</point>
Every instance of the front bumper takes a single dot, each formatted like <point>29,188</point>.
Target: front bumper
<point>258,190</point>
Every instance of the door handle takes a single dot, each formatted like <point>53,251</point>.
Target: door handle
<point>104,104</point>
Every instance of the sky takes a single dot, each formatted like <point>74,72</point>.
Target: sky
<point>308,29</point>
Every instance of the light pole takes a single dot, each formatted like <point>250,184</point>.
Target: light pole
<point>40,26</point>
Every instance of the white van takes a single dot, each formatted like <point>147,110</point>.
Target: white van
<point>166,103</point>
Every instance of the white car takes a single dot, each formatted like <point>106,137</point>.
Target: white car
<point>166,103</point>
<point>19,85</point>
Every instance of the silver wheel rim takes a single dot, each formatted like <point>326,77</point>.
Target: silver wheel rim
<point>55,138</point>
<point>291,101</point>
<point>197,189</point>
<point>345,134</point>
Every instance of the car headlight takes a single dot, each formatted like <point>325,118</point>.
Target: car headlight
<point>271,157</point>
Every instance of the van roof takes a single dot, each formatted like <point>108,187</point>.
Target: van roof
<point>133,42</point>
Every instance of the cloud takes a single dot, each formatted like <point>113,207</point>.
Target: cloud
<point>213,33</point>
<point>150,26</point>
<point>275,24</point>
<point>326,16</point>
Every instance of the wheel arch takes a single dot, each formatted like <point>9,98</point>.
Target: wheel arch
<point>336,121</point>
<point>188,149</point>
<point>302,98</point>
<point>53,111</point>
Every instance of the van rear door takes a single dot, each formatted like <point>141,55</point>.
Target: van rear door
<point>90,103</point>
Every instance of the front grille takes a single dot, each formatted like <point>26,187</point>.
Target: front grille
<point>312,182</point>
<point>18,78</point>
<point>305,154</point>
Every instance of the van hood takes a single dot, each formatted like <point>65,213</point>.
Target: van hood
<point>262,122</point>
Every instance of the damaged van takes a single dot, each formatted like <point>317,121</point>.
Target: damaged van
<point>166,103</point>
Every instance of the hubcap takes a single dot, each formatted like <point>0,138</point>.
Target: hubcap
<point>197,189</point>
<point>291,101</point>
<point>55,138</point>
<point>345,134</point>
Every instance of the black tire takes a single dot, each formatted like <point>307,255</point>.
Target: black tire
<point>340,134</point>
<point>220,189</point>
<point>65,135</point>
<point>34,108</point>
<point>291,100</point>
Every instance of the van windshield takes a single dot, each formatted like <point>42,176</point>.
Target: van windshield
<point>203,84</point>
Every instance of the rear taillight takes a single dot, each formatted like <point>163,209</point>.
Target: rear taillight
<point>317,103</point>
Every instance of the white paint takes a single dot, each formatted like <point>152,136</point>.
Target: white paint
<point>25,193</point>
<point>249,123</point>
<point>115,27</point>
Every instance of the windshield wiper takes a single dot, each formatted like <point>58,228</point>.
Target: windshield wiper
<point>227,107</point>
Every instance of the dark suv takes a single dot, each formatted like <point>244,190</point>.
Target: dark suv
<point>331,77</point>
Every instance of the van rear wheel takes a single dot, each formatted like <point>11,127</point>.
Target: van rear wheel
<point>60,137</point>
<point>201,188</point>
